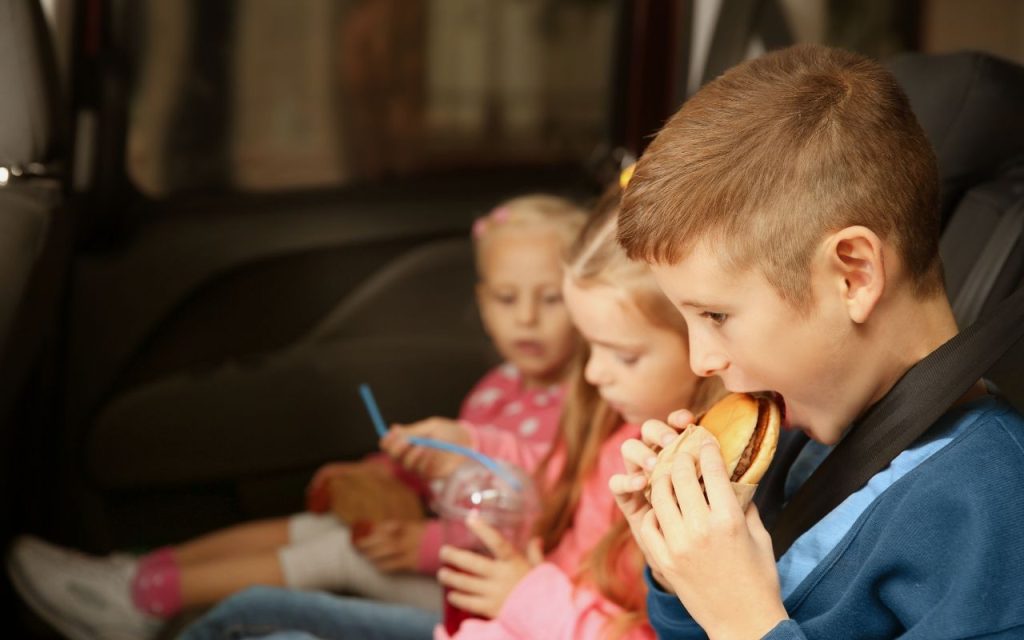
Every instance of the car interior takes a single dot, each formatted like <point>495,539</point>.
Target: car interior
<point>184,324</point>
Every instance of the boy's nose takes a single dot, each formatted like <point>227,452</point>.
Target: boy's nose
<point>706,361</point>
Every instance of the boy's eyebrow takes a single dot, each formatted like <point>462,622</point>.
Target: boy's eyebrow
<point>697,304</point>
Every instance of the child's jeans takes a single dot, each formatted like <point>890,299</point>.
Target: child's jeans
<point>268,611</point>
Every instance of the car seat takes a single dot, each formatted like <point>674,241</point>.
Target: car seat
<point>970,106</point>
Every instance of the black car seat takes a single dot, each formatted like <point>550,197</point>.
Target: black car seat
<point>262,423</point>
<point>970,105</point>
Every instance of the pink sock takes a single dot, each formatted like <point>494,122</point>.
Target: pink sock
<point>156,588</point>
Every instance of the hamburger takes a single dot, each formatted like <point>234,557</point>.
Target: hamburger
<point>746,427</point>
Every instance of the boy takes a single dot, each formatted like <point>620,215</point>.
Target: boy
<point>789,211</point>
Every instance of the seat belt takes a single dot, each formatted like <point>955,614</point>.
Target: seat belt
<point>924,393</point>
<point>1004,239</point>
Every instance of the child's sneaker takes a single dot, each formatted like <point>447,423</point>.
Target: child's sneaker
<point>84,597</point>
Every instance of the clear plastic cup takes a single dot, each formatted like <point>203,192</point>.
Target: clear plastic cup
<point>509,509</point>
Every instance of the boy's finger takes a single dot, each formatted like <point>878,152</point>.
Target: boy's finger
<point>681,419</point>
<point>665,508</point>
<point>496,543</point>
<point>637,455</point>
<point>716,480</point>
<point>757,530</point>
<point>467,561</point>
<point>687,487</point>
<point>656,434</point>
<point>652,542</point>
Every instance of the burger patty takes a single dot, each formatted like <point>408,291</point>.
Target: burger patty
<point>763,416</point>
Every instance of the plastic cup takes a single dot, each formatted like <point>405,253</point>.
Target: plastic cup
<point>510,510</point>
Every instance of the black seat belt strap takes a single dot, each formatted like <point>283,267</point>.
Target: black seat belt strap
<point>910,408</point>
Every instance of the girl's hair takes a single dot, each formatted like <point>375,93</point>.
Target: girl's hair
<point>614,566</point>
<point>537,210</point>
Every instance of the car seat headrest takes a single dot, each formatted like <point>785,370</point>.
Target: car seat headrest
<point>970,107</point>
<point>27,81</point>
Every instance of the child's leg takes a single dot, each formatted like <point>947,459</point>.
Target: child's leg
<point>260,612</point>
<point>331,562</point>
<point>210,582</point>
<point>240,540</point>
<point>217,565</point>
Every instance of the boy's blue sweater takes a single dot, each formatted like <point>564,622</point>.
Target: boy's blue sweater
<point>939,554</point>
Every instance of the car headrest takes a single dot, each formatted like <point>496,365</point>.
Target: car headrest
<point>27,81</point>
<point>970,107</point>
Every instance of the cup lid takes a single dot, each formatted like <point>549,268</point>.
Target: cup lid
<point>475,487</point>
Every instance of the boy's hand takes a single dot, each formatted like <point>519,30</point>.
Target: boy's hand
<point>712,554</point>
<point>426,462</point>
<point>480,584</point>
<point>628,488</point>
<point>392,545</point>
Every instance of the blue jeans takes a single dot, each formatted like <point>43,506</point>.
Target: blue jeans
<point>261,612</point>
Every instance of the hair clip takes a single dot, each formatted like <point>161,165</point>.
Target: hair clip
<point>626,176</point>
<point>499,214</point>
<point>479,226</point>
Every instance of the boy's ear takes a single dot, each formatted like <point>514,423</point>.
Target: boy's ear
<point>856,258</point>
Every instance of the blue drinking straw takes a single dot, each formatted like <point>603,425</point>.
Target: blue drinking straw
<point>382,430</point>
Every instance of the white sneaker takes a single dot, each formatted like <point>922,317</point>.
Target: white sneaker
<point>84,597</point>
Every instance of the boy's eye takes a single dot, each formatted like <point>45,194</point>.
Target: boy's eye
<point>716,318</point>
<point>551,298</point>
<point>505,298</point>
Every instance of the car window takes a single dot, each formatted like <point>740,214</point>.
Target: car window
<point>270,95</point>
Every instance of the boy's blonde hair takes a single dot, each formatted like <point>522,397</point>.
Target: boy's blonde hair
<point>587,421</point>
<point>776,153</point>
<point>531,211</point>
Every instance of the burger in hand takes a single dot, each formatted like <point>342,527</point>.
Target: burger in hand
<point>746,427</point>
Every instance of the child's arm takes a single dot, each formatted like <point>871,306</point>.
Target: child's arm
<point>428,463</point>
<point>713,557</point>
<point>431,463</point>
<point>716,555</point>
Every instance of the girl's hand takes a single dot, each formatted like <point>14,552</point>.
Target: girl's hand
<point>424,461</point>
<point>392,545</point>
<point>480,584</point>
<point>712,553</point>
<point>639,458</point>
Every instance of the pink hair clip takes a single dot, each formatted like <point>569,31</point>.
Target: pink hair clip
<point>479,226</point>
